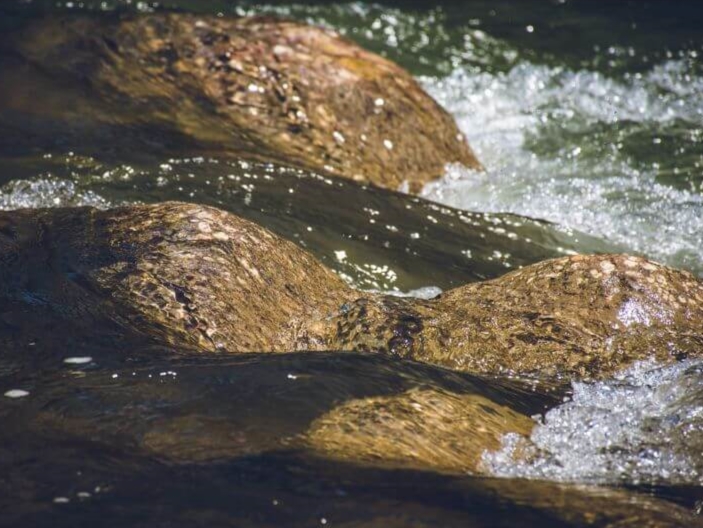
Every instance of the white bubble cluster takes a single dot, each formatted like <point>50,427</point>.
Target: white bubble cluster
<point>643,427</point>
<point>574,147</point>
<point>47,192</point>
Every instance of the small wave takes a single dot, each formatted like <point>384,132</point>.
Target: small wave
<point>643,427</point>
<point>425,292</point>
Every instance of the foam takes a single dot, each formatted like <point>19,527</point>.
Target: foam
<point>574,147</point>
<point>643,427</point>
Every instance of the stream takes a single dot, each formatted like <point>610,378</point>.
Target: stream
<point>588,117</point>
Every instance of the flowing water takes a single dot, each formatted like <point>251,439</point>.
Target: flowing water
<point>585,113</point>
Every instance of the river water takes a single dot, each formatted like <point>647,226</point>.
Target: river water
<point>588,114</point>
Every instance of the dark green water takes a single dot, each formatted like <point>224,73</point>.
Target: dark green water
<point>586,113</point>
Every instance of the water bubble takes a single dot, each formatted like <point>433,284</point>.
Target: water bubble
<point>16,393</point>
<point>564,145</point>
<point>78,360</point>
<point>645,425</point>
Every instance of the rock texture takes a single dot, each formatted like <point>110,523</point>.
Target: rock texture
<point>179,274</point>
<point>193,276</point>
<point>421,429</point>
<point>585,316</point>
<point>248,87</point>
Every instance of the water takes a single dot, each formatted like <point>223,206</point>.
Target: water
<point>603,135</point>
<point>585,113</point>
<point>621,159</point>
<point>375,239</point>
<point>606,139</point>
<point>643,427</point>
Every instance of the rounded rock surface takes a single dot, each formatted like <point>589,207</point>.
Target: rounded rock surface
<point>256,87</point>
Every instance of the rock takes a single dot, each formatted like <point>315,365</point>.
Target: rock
<point>193,276</point>
<point>421,429</point>
<point>584,316</point>
<point>243,416</point>
<point>280,489</point>
<point>182,275</point>
<point>257,88</point>
<point>363,409</point>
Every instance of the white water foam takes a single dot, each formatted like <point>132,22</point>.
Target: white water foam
<point>572,147</point>
<point>426,292</point>
<point>643,427</point>
<point>47,192</point>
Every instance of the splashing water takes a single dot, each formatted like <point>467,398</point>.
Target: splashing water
<point>47,192</point>
<point>620,159</point>
<point>643,427</point>
<point>609,142</point>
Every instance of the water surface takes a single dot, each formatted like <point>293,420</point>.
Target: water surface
<point>588,114</point>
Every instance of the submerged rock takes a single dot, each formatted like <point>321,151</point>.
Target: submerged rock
<point>220,425</point>
<point>192,276</point>
<point>203,417</point>
<point>421,428</point>
<point>349,407</point>
<point>248,87</point>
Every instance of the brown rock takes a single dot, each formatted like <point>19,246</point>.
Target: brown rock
<point>180,274</point>
<point>194,276</point>
<point>246,87</point>
<point>584,316</point>
<point>421,429</point>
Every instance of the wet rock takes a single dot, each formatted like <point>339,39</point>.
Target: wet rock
<point>224,420</point>
<point>193,276</point>
<point>584,316</point>
<point>422,429</point>
<point>182,275</point>
<point>271,491</point>
<point>364,409</point>
<point>257,88</point>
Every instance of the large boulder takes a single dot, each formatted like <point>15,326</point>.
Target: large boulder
<point>257,88</point>
<point>192,276</point>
